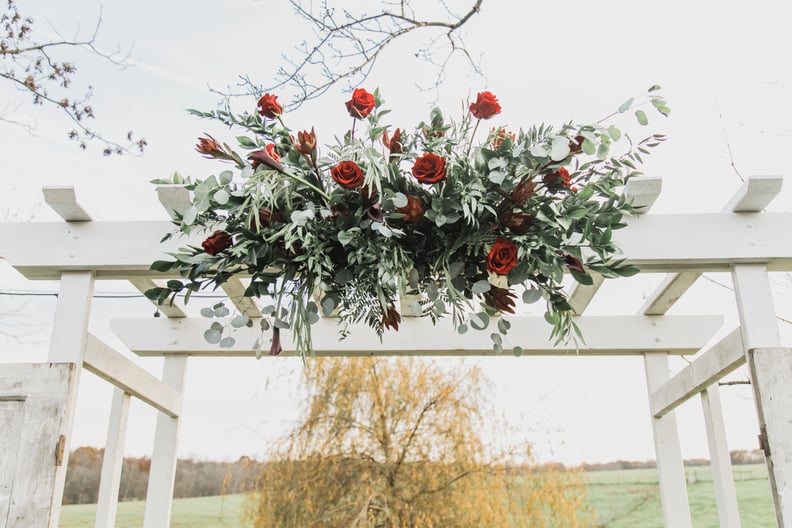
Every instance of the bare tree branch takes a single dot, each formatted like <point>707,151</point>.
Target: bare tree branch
<point>31,67</point>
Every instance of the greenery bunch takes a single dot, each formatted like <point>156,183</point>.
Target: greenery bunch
<point>459,226</point>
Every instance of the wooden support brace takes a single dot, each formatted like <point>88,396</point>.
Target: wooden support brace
<point>113,460</point>
<point>63,201</point>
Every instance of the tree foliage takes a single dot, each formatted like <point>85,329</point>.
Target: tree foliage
<point>36,67</point>
<point>393,443</point>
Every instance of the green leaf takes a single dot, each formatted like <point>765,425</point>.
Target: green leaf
<point>582,278</point>
<point>225,177</point>
<point>531,295</point>
<point>559,149</point>
<point>239,321</point>
<point>213,336</point>
<point>189,215</point>
<point>641,116</point>
<point>517,351</point>
<point>227,342</point>
<point>222,311</point>
<point>207,312</point>
<point>479,321</point>
<point>163,265</point>
<point>246,142</point>
<point>221,197</point>
<point>328,305</point>
<point>481,287</point>
<point>503,325</point>
<point>614,133</point>
<point>399,200</point>
<point>462,329</point>
<point>654,88</point>
<point>626,105</point>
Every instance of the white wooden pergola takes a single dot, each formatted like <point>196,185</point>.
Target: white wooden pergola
<point>37,401</point>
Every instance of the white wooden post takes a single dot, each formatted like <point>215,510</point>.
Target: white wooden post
<point>720,461</point>
<point>67,345</point>
<point>159,495</point>
<point>771,370</point>
<point>113,460</point>
<point>670,468</point>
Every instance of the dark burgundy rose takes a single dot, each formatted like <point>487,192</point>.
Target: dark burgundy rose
<point>413,210</point>
<point>502,257</point>
<point>361,104</point>
<point>347,174</point>
<point>429,168</point>
<point>557,179</point>
<point>573,263</point>
<point>268,106</point>
<point>502,299</point>
<point>217,242</point>
<point>268,157</point>
<point>518,223</point>
<point>486,106</point>
<point>391,318</point>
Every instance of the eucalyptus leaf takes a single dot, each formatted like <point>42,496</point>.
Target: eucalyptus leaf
<point>641,116</point>
<point>190,215</point>
<point>221,197</point>
<point>481,286</point>
<point>227,342</point>
<point>213,336</point>
<point>207,312</point>
<point>239,321</point>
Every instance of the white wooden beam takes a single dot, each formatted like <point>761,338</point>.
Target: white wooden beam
<point>755,194</point>
<point>724,357</point>
<point>170,310</point>
<point>112,461</point>
<point>581,295</point>
<point>771,371</point>
<point>174,198</point>
<point>159,495</point>
<point>619,335</point>
<point>236,294</point>
<point>674,285</point>
<point>63,201</point>
<point>113,367</point>
<point>720,460</point>
<point>118,250</point>
<point>642,192</point>
<point>670,468</point>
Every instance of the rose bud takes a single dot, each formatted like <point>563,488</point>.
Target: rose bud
<point>429,168</point>
<point>502,299</point>
<point>391,318</point>
<point>502,257</point>
<point>268,106</point>
<point>268,157</point>
<point>499,136</point>
<point>306,143</point>
<point>361,104</point>
<point>486,106</point>
<point>518,223</point>
<point>217,242</point>
<point>413,210</point>
<point>573,263</point>
<point>557,179</point>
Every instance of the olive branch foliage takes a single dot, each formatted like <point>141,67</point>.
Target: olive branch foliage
<point>353,253</point>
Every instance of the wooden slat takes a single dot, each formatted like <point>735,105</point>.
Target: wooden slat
<point>170,310</point>
<point>620,335</point>
<point>174,198</point>
<point>63,201</point>
<point>581,295</point>
<point>643,192</point>
<point>115,368</point>
<point>672,288</point>
<point>236,294</point>
<point>724,357</point>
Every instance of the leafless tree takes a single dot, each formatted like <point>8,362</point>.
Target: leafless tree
<point>347,43</point>
<point>34,67</point>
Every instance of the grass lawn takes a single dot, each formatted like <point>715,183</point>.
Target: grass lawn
<point>620,499</point>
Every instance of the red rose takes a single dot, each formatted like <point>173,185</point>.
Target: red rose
<point>429,168</point>
<point>268,106</point>
<point>413,210</point>
<point>486,106</point>
<point>557,179</point>
<point>347,174</point>
<point>361,104</point>
<point>217,242</point>
<point>502,257</point>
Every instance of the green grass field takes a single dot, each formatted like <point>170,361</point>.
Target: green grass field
<point>620,499</point>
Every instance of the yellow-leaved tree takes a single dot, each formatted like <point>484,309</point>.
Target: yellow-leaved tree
<point>399,443</point>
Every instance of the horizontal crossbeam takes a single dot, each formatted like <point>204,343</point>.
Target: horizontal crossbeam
<point>618,335</point>
<point>685,242</point>
<point>102,360</point>
<point>723,358</point>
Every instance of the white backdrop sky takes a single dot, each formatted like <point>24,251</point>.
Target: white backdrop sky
<point>724,70</point>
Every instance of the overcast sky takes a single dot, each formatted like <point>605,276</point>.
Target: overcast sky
<point>724,71</point>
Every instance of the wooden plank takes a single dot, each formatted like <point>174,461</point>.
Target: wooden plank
<point>618,335</point>
<point>236,294</point>
<point>159,495</point>
<point>170,310</point>
<point>63,201</point>
<point>112,461</point>
<point>118,250</point>
<point>755,194</point>
<point>720,460</point>
<point>174,198</point>
<point>771,379</point>
<point>670,469</point>
<point>670,290</point>
<point>642,192</point>
<point>113,367</point>
<point>36,402</point>
<point>581,295</point>
<point>724,357</point>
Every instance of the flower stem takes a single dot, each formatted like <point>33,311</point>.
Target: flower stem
<point>470,143</point>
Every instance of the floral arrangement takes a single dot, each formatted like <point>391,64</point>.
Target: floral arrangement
<point>459,227</point>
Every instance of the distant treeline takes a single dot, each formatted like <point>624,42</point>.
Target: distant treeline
<point>203,478</point>
<point>738,457</point>
<point>194,478</point>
